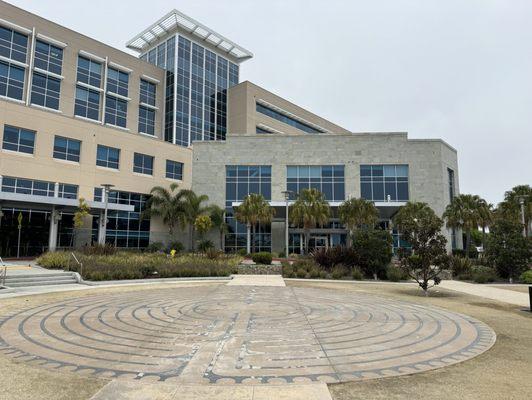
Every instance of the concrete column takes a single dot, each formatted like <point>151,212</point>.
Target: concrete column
<point>56,189</point>
<point>278,236</point>
<point>101,228</point>
<point>52,234</point>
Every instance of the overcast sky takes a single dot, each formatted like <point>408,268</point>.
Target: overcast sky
<point>454,69</point>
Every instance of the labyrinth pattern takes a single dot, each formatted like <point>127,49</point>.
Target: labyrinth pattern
<point>228,334</point>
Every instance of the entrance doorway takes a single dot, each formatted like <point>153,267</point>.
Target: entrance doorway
<point>318,242</point>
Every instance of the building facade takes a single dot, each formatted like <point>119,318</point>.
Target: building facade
<point>76,115</point>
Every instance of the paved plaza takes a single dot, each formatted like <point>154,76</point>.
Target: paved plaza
<point>240,335</point>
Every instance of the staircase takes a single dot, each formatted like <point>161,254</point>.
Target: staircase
<point>37,279</point>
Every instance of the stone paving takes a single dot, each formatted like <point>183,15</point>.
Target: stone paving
<point>240,335</point>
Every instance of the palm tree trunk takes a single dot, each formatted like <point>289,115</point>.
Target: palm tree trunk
<point>191,234</point>
<point>222,247</point>
<point>349,238</point>
<point>307,240</point>
<point>468,242</point>
<point>483,238</point>
<point>253,229</point>
<point>248,239</point>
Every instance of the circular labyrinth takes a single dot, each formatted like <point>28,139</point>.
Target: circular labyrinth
<point>229,334</point>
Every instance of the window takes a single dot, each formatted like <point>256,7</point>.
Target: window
<point>146,120</point>
<point>450,177</point>
<point>117,82</point>
<point>89,72</point>
<point>67,149</point>
<point>384,182</point>
<point>13,45</point>
<point>11,81</point>
<point>48,57</point>
<point>108,157</point>
<point>68,191</point>
<point>18,139</point>
<point>115,111</point>
<point>287,119</point>
<point>328,179</point>
<point>143,164</point>
<point>174,170</point>
<point>38,188</point>
<point>124,229</point>
<point>87,103</point>
<point>240,181</point>
<point>148,92</point>
<point>45,91</point>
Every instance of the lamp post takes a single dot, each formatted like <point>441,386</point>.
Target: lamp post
<point>286,194</point>
<point>103,222</point>
<point>522,204</point>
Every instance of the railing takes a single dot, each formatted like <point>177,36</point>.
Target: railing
<point>3,274</point>
<point>79,263</point>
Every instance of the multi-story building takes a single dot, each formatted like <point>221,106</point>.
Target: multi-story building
<point>76,115</point>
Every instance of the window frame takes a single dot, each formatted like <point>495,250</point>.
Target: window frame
<point>172,174</point>
<point>58,155</point>
<point>143,169</point>
<point>17,146</point>
<point>106,163</point>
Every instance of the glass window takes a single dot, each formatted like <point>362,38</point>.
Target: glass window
<point>287,119</point>
<point>115,111</point>
<point>18,139</point>
<point>174,170</point>
<point>143,164</point>
<point>108,157</point>
<point>148,92</point>
<point>328,179</point>
<point>11,80</point>
<point>450,176</point>
<point>87,103</point>
<point>67,149</point>
<point>146,120</point>
<point>68,191</point>
<point>384,182</point>
<point>38,188</point>
<point>89,71</point>
<point>117,81</point>
<point>13,45</point>
<point>48,57</point>
<point>45,91</point>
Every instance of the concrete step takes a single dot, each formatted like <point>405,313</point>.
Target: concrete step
<point>56,278</point>
<point>42,283</point>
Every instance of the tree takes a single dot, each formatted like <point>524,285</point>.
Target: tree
<point>467,212</point>
<point>203,224</point>
<point>373,248</point>
<point>507,249</point>
<point>193,207</point>
<point>166,204</point>
<point>427,257</point>
<point>217,215</point>
<point>81,213</point>
<point>485,217</point>
<point>309,210</point>
<point>254,210</point>
<point>355,213</point>
<point>510,208</point>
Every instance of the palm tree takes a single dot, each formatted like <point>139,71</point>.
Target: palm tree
<point>217,215</point>
<point>510,208</point>
<point>309,210</point>
<point>254,210</point>
<point>192,206</point>
<point>355,213</point>
<point>464,213</point>
<point>485,214</point>
<point>166,204</point>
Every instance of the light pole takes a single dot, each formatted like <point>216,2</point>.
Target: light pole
<point>286,194</point>
<point>522,203</point>
<point>103,222</point>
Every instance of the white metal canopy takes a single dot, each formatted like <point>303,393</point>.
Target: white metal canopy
<point>177,20</point>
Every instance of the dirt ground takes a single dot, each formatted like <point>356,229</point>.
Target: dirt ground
<point>503,372</point>
<point>516,288</point>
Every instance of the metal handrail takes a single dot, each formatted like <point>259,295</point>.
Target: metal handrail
<point>2,262</point>
<point>3,275</point>
<point>79,263</point>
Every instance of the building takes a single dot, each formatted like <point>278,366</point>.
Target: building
<point>76,114</point>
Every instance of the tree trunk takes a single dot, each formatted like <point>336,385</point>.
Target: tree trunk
<point>248,238</point>
<point>191,233</point>
<point>484,238</point>
<point>468,242</point>
<point>222,247</point>
<point>307,241</point>
<point>253,231</point>
<point>349,239</point>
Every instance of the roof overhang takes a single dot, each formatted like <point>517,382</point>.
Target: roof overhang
<point>8,199</point>
<point>176,20</point>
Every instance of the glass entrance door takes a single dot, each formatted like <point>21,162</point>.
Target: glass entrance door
<point>318,242</point>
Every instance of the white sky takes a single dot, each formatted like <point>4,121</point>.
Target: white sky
<point>454,69</point>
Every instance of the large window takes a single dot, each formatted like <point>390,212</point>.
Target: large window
<point>450,177</point>
<point>45,90</point>
<point>117,82</point>
<point>87,103</point>
<point>38,188</point>
<point>89,72</point>
<point>328,179</point>
<point>18,139</point>
<point>108,157</point>
<point>148,92</point>
<point>143,164</point>
<point>384,182</point>
<point>242,180</point>
<point>48,57</point>
<point>146,120</point>
<point>11,81</point>
<point>115,111</point>
<point>124,229</point>
<point>287,119</point>
<point>174,170</point>
<point>13,45</point>
<point>67,149</point>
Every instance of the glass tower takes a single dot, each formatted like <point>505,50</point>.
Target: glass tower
<point>197,80</point>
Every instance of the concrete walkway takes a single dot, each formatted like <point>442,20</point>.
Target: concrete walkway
<point>256,280</point>
<point>488,292</point>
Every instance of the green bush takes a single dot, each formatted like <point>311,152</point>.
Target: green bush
<point>282,254</point>
<point>205,245</point>
<point>357,274</point>
<point>374,251</point>
<point>323,274</point>
<point>55,260</point>
<point>242,252</point>
<point>395,274</point>
<point>314,272</point>
<point>288,271</point>
<point>176,245</point>
<point>155,247</point>
<point>99,250</point>
<point>301,273</point>
<point>460,266</point>
<point>526,277</point>
<point>481,274</point>
<point>262,258</point>
<point>339,272</point>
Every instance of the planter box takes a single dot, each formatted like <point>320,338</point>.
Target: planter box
<point>258,269</point>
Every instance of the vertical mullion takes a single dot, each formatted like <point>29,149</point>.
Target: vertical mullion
<point>30,67</point>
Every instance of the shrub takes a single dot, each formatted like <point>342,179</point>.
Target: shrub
<point>323,274</point>
<point>314,272</point>
<point>395,274</point>
<point>205,245</point>
<point>288,271</point>
<point>483,274</point>
<point>460,266</point>
<point>282,254</point>
<point>262,258</point>
<point>339,272</point>
<point>327,258</point>
<point>374,251</point>
<point>54,260</point>
<point>357,274</point>
<point>459,253</point>
<point>526,277</point>
<point>155,247</point>
<point>175,245</point>
<point>301,273</point>
<point>242,252</point>
<point>99,250</point>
